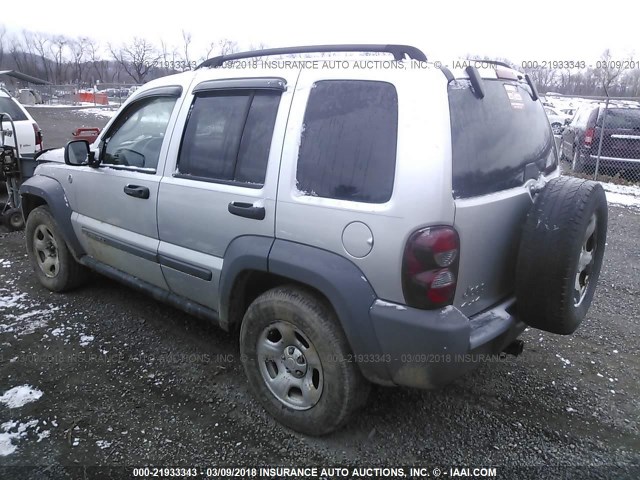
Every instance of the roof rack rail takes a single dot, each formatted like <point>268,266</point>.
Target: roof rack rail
<point>398,52</point>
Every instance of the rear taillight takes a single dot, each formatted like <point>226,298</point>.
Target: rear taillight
<point>38,133</point>
<point>430,267</point>
<point>588,136</point>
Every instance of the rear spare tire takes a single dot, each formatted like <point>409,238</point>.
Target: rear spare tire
<point>561,254</point>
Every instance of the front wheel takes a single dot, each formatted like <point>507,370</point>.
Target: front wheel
<point>298,361</point>
<point>50,257</point>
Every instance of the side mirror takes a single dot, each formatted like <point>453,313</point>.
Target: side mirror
<point>77,152</point>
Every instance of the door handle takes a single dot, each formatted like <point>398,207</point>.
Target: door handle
<point>246,210</point>
<point>136,191</point>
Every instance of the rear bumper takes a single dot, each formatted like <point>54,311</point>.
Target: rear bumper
<point>428,349</point>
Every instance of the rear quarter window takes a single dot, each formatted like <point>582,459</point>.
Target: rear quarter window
<point>496,137</point>
<point>348,146</point>
<point>7,105</point>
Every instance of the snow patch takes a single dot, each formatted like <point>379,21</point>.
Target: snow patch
<point>19,396</point>
<point>86,339</point>
<point>103,444</point>
<point>625,195</point>
<point>99,112</point>
<point>42,435</point>
<point>12,431</point>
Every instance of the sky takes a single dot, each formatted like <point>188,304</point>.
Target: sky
<point>518,30</point>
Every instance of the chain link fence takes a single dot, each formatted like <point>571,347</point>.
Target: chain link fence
<point>601,140</point>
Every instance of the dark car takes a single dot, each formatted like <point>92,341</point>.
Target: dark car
<point>620,143</point>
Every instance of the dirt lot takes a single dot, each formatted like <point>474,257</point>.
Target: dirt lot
<point>128,381</point>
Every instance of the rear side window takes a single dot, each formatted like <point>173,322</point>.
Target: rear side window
<point>348,146</point>
<point>228,136</point>
<point>9,106</point>
<point>496,137</point>
<point>623,118</point>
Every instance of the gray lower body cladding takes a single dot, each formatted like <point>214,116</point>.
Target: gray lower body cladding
<point>431,348</point>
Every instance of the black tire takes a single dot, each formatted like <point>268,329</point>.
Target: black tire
<point>68,274</point>
<point>15,220</point>
<point>553,255</point>
<point>343,390</point>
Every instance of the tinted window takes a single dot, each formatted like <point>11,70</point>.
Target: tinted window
<point>9,106</point>
<point>228,136</point>
<point>494,138</point>
<point>348,147</point>
<point>136,138</point>
<point>625,118</point>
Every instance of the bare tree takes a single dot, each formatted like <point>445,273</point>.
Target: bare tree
<point>543,77</point>
<point>258,46</point>
<point>186,38</point>
<point>17,52</point>
<point>58,48</point>
<point>3,33</point>
<point>224,46</point>
<point>95,59</point>
<point>42,46</point>
<point>227,46</point>
<point>79,53</point>
<point>608,72</point>
<point>136,58</point>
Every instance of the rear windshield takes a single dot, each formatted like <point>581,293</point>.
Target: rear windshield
<point>496,137</point>
<point>7,105</point>
<point>625,118</point>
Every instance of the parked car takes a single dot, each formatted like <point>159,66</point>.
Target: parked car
<point>620,137</point>
<point>28,132</point>
<point>557,119</point>
<point>308,210</point>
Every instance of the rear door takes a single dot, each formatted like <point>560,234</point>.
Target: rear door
<point>621,134</point>
<point>221,178</point>
<point>499,143</point>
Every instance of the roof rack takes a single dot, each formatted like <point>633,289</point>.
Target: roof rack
<point>398,51</point>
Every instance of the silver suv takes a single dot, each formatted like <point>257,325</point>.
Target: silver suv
<point>360,220</point>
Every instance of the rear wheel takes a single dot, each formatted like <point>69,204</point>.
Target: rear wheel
<point>49,254</point>
<point>297,361</point>
<point>561,254</point>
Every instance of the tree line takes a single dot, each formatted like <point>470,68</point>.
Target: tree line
<point>64,60</point>
<point>83,61</point>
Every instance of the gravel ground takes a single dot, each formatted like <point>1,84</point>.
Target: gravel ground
<point>129,381</point>
<point>58,123</point>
